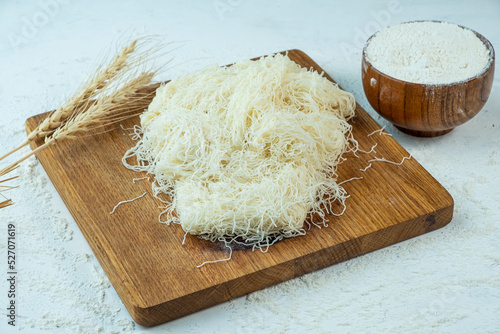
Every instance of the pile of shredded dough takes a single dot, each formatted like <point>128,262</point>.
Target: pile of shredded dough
<point>246,152</point>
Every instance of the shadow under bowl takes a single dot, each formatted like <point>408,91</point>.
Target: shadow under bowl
<point>427,110</point>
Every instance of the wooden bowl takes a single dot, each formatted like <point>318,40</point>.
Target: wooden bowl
<point>426,110</point>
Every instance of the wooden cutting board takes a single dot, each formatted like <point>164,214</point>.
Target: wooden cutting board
<point>156,276</point>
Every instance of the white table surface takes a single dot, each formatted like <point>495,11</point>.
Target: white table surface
<point>447,281</point>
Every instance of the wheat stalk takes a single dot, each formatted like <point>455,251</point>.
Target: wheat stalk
<point>7,201</point>
<point>113,93</point>
<point>102,78</point>
<point>124,102</point>
<point>95,84</point>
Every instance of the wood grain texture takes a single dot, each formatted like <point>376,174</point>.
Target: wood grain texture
<point>156,276</point>
<point>427,110</point>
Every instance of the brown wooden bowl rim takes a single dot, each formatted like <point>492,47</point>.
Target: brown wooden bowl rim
<point>483,39</point>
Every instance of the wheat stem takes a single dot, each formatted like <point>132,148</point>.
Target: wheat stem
<point>6,180</point>
<point>113,93</point>
<point>15,164</point>
<point>14,150</point>
<point>104,109</point>
<point>6,203</point>
<point>98,82</point>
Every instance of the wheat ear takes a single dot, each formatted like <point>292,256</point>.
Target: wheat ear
<point>96,83</point>
<point>113,93</point>
<point>121,103</point>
